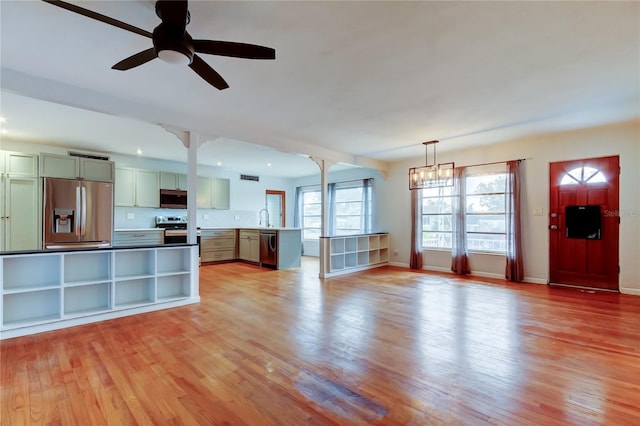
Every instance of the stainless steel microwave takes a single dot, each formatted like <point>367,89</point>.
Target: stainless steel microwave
<point>173,199</point>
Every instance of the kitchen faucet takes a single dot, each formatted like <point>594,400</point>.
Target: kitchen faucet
<point>260,216</point>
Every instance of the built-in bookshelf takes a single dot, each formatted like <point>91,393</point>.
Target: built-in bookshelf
<point>356,252</point>
<point>49,290</point>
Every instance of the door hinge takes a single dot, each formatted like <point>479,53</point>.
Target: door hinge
<point>618,268</point>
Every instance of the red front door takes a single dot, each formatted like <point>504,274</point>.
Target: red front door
<point>583,248</point>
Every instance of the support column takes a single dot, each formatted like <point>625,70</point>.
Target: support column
<point>194,142</point>
<point>325,253</point>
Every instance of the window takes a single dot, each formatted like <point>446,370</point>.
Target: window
<point>485,204</point>
<point>350,209</point>
<point>583,175</point>
<point>311,214</point>
<point>436,218</point>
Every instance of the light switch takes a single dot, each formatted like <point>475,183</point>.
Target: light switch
<point>131,215</point>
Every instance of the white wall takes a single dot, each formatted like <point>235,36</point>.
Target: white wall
<point>621,139</point>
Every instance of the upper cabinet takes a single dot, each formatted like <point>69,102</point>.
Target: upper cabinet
<point>213,193</point>
<point>19,213</point>
<point>18,164</point>
<point>67,167</point>
<point>136,188</point>
<point>170,180</point>
<point>205,193</point>
<point>221,193</point>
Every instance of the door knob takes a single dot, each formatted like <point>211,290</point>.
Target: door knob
<point>553,227</point>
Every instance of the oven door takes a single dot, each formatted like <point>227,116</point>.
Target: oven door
<point>175,236</point>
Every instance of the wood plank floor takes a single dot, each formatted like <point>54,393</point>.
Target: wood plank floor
<point>387,346</point>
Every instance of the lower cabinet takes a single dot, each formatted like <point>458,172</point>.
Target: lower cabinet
<point>249,245</point>
<point>46,291</point>
<point>217,245</point>
<point>138,237</point>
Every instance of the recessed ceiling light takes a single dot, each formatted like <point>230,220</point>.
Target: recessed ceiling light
<point>268,164</point>
<point>219,163</point>
<point>3,119</point>
<point>139,151</point>
<point>4,131</point>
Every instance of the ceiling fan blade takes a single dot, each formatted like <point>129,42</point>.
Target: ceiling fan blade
<point>206,72</point>
<point>136,60</point>
<point>99,17</point>
<point>173,12</point>
<point>233,49</point>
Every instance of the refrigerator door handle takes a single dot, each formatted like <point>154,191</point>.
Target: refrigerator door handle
<point>79,213</point>
<point>83,224</point>
<point>66,246</point>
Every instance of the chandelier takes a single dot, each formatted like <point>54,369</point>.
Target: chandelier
<point>431,175</point>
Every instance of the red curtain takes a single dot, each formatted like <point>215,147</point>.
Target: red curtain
<point>415,261</point>
<point>459,254</point>
<point>514,270</point>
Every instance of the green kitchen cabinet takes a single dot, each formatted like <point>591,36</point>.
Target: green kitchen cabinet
<point>68,167</point>
<point>136,188</point>
<point>19,204</point>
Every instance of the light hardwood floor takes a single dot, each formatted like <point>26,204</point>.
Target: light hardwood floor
<point>387,346</point>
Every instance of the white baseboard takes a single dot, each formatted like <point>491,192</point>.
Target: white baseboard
<point>528,280</point>
<point>632,291</point>
<point>437,269</point>
<point>533,280</point>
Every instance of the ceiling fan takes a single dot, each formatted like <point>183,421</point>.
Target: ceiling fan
<point>173,44</point>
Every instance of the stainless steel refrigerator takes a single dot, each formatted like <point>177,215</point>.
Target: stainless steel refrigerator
<point>76,213</point>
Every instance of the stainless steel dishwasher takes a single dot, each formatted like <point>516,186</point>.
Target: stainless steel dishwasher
<point>269,248</point>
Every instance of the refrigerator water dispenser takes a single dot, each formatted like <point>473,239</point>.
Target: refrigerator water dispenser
<point>63,221</point>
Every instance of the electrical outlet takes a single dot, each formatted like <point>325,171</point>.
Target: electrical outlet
<point>131,216</point>
<point>205,216</point>
<point>538,211</point>
<point>236,217</point>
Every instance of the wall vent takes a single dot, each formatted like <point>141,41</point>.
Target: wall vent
<point>85,155</point>
<point>249,177</point>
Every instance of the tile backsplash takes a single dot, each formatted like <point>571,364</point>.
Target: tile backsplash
<point>130,217</point>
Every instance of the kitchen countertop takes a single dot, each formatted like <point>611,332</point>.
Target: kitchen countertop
<point>138,229</point>
<point>256,228</point>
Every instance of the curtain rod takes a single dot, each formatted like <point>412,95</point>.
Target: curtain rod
<point>497,162</point>
<point>342,181</point>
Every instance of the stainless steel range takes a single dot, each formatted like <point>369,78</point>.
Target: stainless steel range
<point>175,229</point>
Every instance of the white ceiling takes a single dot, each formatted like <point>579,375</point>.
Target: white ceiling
<point>357,82</point>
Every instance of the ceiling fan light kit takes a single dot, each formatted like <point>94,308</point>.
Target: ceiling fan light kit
<point>173,44</point>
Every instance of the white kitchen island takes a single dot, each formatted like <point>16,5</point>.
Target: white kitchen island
<point>52,289</point>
